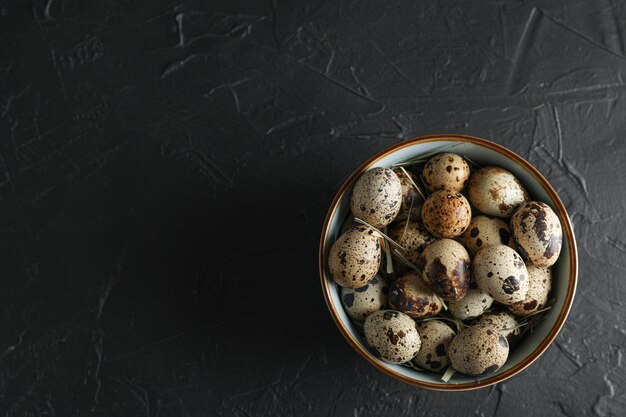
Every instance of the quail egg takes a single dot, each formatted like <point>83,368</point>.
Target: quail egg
<point>377,197</point>
<point>410,295</point>
<point>392,335</point>
<point>436,336</point>
<point>446,267</point>
<point>500,272</point>
<point>496,192</point>
<point>538,234</point>
<point>502,321</point>
<point>484,231</point>
<point>411,199</point>
<point>413,237</point>
<point>475,303</point>
<point>539,286</point>
<point>362,301</point>
<point>354,259</point>
<point>446,214</point>
<point>446,171</point>
<point>478,351</point>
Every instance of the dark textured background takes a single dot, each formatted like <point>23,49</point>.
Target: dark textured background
<point>165,169</point>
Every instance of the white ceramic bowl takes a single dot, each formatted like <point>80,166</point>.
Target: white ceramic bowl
<point>564,271</point>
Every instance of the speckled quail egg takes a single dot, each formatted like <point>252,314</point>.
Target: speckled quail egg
<point>413,237</point>
<point>500,272</point>
<point>446,214</point>
<point>484,231</point>
<point>410,295</point>
<point>446,171</point>
<point>436,336</point>
<point>496,192</point>
<point>411,199</point>
<point>475,303</point>
<point>502,321</point>
<point>355,257</point>
<point>361,302</point>
<point>537,233</point>
<point>446,267</point>
<point>478,351</point>
<point>377,197</point>
<point>539,286</point>
<point>392,335</point>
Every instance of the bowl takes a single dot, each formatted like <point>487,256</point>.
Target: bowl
<point>564,272</point>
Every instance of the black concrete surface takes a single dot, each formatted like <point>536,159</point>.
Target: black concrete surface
<point>165,168</point>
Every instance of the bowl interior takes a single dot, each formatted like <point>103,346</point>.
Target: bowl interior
<point>484,156</point>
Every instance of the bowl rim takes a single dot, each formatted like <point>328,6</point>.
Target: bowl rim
<point>563,216</point>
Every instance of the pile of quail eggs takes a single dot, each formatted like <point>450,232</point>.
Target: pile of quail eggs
<point>470,259</point>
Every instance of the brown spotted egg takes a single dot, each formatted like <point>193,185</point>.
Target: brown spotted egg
<point>475,303</point>
<point>500,272</point>
<point>502,321</point>
<point>411,199</point>
<point>537,233</point>
<point>410,295</point>
<point>354,258</point>
<point>496,192</point>
<point>446,268</point>
<point>478,351</point>
<point>539,286</point>
<point>484,231</point>
<point>446,214</point>
<point>413,237</point>
<point>392,335</point>
<point>377,197</point>
<point>446,171</point>
<point>361,302</point>
<point>436,337</point>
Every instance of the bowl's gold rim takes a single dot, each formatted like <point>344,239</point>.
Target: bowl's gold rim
<point>571,288</point>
